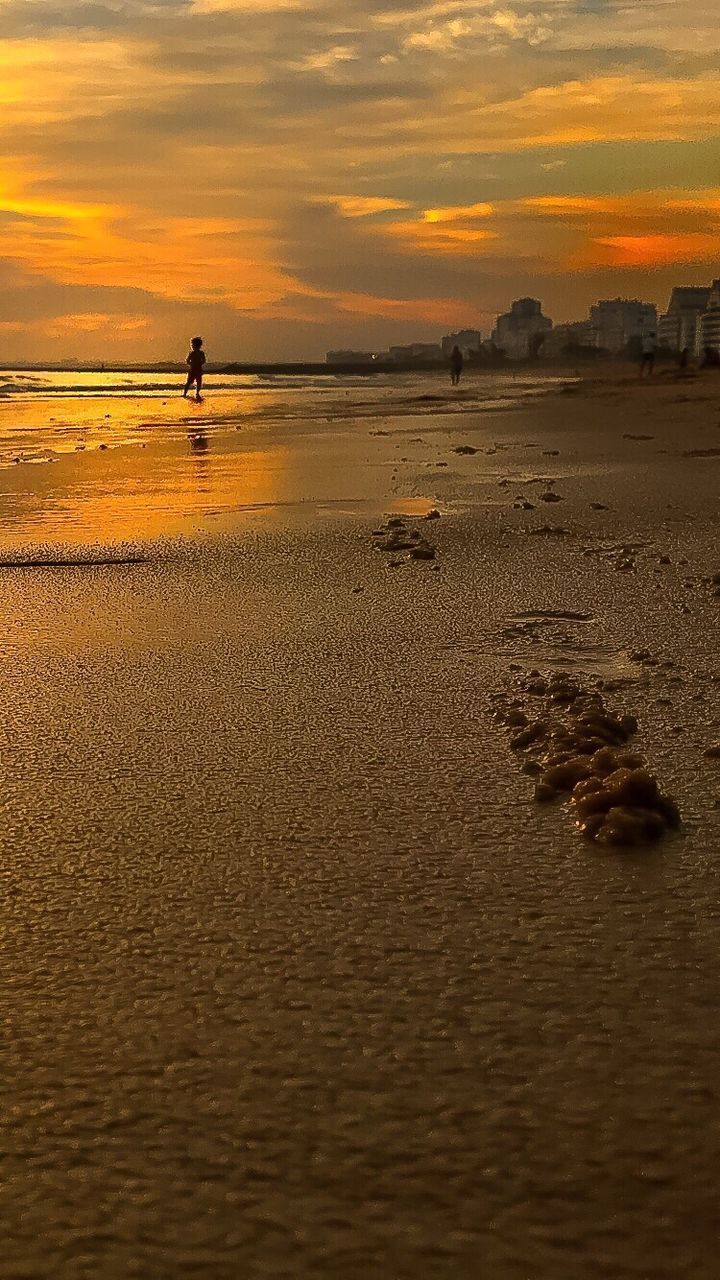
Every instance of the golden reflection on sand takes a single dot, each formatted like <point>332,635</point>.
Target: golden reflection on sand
<point>132,493</point>
<point>93,470</point>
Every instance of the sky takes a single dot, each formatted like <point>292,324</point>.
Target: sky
<point>286,178</point>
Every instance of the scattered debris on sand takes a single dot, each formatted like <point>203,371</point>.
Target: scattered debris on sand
<point>622,556</point>
<point>573,745</point>
<point>396,536</point>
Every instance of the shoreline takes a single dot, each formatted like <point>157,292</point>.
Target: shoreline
<point>216,460</point>
<point>602,367</point>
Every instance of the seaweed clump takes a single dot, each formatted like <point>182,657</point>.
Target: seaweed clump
<point>576,747</point>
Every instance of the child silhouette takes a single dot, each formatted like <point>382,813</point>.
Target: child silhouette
<point>195,362</point>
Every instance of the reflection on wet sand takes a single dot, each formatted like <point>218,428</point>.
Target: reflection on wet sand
<point>136,495</point>
<point>112,477</point>
<point>198,442</point>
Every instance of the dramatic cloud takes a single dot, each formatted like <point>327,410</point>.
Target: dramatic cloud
<point>289,176</point>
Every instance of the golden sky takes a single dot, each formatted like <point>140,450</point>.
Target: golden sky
<point>287,177</point>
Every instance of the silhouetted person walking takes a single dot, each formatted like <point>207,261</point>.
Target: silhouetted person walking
<point>456,365</point>
<point>195,362</point>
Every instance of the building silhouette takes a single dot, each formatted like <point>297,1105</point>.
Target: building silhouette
<point>521,331</point>
<point>679,328</point>
<point>709,324</point>
<point>617,321</point>
<point>417,352</point>
<point>469,342</point>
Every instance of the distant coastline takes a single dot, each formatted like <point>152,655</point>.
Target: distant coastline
<point>311,368</point>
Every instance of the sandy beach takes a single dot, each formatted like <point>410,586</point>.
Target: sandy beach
<point>303,982</point>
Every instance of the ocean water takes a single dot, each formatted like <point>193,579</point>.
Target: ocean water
<point>86,457</point>
<point>321,389</point>
<point>43,413</point>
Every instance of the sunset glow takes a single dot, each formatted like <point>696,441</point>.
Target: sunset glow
<point>290,178</point>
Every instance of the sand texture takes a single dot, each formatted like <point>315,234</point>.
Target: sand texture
<point>300,979</point>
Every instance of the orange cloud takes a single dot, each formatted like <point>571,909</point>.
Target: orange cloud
<point>659,250</point>
<point>362,206</point>
<point>600,108</point>
<point>458,213</point>
<point>439,238</point>
<point>95,322</point>
<point>213,258</point>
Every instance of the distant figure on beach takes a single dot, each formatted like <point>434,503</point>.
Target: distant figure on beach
<point>195,362</point>
<point>456,365</point>
<point>647,359</point>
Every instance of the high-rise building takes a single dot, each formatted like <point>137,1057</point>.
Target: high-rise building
<point>567,338</point>
<point>709,324</point>
<point>617,321</point>
<point>679,328</point>
<point>521,331</point>
<point>468,340</point>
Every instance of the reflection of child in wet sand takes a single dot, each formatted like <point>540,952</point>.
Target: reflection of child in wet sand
<point>195,362</point>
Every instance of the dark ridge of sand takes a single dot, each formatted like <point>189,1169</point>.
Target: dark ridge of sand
<point>92,562</point>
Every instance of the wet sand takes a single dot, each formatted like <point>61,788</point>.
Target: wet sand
<point>302,980</point>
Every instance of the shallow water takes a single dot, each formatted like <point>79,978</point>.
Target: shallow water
<point>44,415</point>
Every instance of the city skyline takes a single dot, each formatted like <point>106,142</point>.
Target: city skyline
<point>287,179</point>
